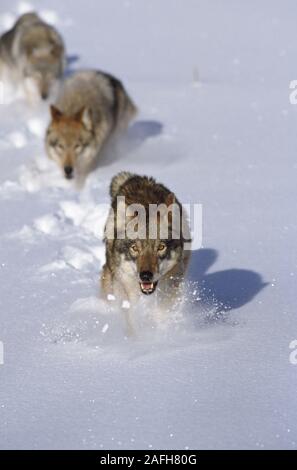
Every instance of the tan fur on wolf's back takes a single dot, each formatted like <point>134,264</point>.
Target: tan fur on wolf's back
<point>32,54</point>
<point>91,107</point>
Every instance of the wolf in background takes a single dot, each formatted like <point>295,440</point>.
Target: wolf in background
<point>32,54</point>
<point>91,107</point>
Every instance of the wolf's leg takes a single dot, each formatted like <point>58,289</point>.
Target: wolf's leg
<point>113,286</point>
<point>128,307</point>
<point>171,290</point>
<point>106,282</point>
<point>186,261</point>
<point>170,299</point>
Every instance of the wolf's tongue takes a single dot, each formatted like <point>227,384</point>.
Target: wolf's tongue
<point>147,285</point>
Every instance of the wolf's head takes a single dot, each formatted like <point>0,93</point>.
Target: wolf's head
<point>40,81</point>
<point>43,59</point>
<point>70,139</point>
<point>149,239</point>
<point>147,261</point>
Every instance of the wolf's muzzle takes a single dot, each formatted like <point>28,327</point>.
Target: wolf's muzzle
<point>147,285</point>
<point>146,276</point>
<point>68,170</point>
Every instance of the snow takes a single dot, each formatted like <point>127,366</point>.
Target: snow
<point>211,80</point>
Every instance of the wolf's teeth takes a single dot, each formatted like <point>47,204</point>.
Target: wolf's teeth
<point>147,286</point>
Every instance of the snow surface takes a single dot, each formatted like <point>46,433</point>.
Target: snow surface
<point>212,82</point>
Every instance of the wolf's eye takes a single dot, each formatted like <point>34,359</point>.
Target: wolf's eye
<point>78,147</point>
<point>162,248</point>
<point>60,147</point>
<point>134,249</point>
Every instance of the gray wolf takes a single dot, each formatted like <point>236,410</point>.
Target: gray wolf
<point>91,107</point>
<point>146,265</point>
<point>32,54</point>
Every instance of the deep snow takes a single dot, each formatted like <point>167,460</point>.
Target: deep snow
<point>211,79</point>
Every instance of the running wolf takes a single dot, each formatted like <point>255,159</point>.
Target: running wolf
<point>91,106</point>
<point>32,54</point>
<point>150,263</point>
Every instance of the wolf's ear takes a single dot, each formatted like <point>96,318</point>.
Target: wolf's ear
<point>85,117</point>
<point>78,115</point>
<point>55,113</point>
<point>170,199</point>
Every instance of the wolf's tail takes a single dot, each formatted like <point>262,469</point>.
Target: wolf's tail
<point>118,181</point>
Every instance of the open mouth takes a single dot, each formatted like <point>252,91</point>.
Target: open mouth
<point>148,287</point>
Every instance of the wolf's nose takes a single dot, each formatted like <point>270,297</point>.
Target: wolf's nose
<point>146,276</point>
<point>68,171</point>
<point>44,95</point>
